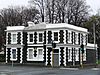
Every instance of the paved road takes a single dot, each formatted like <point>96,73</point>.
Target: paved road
<point>26,70</point>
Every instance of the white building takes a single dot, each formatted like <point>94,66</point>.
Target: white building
<point>32,44</point>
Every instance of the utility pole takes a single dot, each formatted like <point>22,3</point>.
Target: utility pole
<point>95,44</point>
<point>52,57</point>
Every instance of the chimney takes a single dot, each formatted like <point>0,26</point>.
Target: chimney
<point>30,23</point>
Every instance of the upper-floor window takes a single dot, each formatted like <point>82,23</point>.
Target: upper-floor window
<point>76,38</point>
<point>14,38</point>
<point>69,37</point>
<point>55,36</point>
<point>40,37</point>
<point>31,37</point>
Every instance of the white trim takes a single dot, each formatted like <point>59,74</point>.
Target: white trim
<point>70,54</point>
<point>76,54</point>
<point>64,36</point>
<point>40,58</point>
<point>29,37</point>
<point>28,53</point>
<point>6,54</point>
<point>37,58</point>
<point>53,35</point>
<point>84,55</point>
<point>12,42</point>
<point>64,56</point>
<point>38,36</point>
<point>21,38</point>
<point>6,38</point>
<point>69,37</point>
<point>67,26</point>
<point>76,37</point>
<point>21,56</point>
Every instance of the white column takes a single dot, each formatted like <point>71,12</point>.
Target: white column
<point>6,55</point>
<point>64,36</point>
<point>21,56</point>
<point>22,38</point>
<point>46,57</point>
<point>51,58</point>
<point>64,56</point>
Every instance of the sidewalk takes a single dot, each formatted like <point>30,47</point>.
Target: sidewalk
<point>32,65</point>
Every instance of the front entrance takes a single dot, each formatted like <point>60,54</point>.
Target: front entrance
<point>56,57</point>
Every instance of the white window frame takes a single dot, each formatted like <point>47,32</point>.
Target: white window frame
<point>84,39</point>
<point>76,37</point>
<point>12,42</point>
<point>37,58</point>
<point>28,54</point>
<point>29,37</point>
<point>69,36</point>
<point>53,36</point>
<point>40,57</point>
<point>70,57</point>
<point>77,54</point>
<point>84,55</point>
<point>12,54</point>
<point>38,36</point>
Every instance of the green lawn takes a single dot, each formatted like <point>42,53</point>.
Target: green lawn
<point>98,61</point>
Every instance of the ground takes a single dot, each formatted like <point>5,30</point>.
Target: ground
<point>31,70</point>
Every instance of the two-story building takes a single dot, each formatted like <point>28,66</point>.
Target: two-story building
<point>32,44</point>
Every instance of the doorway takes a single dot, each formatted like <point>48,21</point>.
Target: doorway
<point>56,57</point>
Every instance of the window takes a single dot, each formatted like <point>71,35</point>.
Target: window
<point>55,36</point>
<point>14,38</point>
<point>14,54</point>
<point>30,37</point>
<point>39,51</point>
<point>40,37</point>
<point>69,54</point>
<point>69,36</point>
<point>30,54</point>
<point>76,37</point>
<point>35,54</point>
<point>40,54</point>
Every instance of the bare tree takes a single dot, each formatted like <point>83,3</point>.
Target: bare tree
<point>77,12</point>
<point>16,16</point>
<point>40,4</point>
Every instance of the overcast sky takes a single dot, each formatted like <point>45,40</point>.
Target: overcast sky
<point>94,4</point>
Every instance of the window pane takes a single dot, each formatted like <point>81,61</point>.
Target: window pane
<point>13,53</point>
<point>56,50</point>
<point>31,37</point>
<point>30,53</point>
<point>40,37</point>
<point>69,36</point>
<point>14,37</point>
<point>40,51</point>
<point>55,36</point>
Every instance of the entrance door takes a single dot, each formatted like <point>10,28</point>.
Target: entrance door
<point>56,57</point>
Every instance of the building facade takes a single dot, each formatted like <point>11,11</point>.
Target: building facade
<point>33,44</point>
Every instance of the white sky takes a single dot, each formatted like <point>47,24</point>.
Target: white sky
<point>94,4</point>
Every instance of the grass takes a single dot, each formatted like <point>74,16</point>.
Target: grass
<point>98,62</point>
